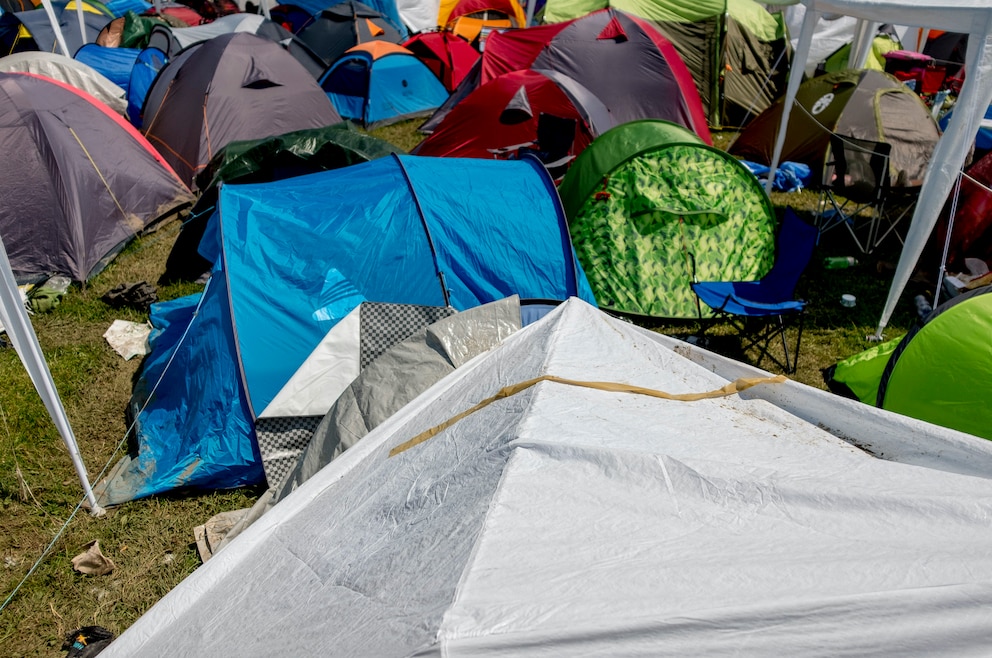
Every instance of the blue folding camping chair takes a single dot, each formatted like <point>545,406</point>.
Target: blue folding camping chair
<point>758,309</point>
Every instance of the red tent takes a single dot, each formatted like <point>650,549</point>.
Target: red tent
<point>447,55</point>
<point>619,58</point>
<point>972,233</point>
<point>513,112</point>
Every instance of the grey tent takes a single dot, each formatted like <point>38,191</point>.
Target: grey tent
<point>346,24</point>
<point>233,87</point>
<point>172,40</point>
<point>86,181</point>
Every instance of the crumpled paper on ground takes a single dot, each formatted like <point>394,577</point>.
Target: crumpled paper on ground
<point>92,562</point>
<point>128,339</point>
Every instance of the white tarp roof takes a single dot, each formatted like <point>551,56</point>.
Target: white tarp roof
<point>564,520</point>
<point>972,17</point>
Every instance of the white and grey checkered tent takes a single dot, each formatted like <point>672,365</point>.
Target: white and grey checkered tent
<point>591,488</point>
<point>394,352</point>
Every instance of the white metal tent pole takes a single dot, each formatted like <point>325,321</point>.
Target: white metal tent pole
<point>864,40</point>
<point>21,333</point>
<point>795,77</point>
<point>946,161</point>
<point>82,24</point>
<point>531,6</point>
<point>59,37</point>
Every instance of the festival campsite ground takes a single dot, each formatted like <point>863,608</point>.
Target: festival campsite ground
<point>150,541</point>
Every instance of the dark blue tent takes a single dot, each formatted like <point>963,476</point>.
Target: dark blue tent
<point>296,256</point>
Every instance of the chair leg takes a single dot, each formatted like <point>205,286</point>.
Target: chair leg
<point>785,344</point>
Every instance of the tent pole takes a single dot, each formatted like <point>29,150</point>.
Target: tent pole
<point>947,241</point>
<point>82,25</point>
<point>21,334</point>
<point>795,77</point>
<point>945,163</point>
<point>59,37</point>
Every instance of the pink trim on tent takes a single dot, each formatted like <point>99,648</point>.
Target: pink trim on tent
<point>116,118</point>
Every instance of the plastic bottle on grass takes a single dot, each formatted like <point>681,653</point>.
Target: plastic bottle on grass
<point>839,262</point>
<point>923,306</point>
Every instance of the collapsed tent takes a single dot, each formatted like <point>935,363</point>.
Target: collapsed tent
<point>87,183</point>
<point>542,112</point>
<point>738,52</point>
<point>234,87</point>
<point>71,72</point>
<point>295,257</point>
<point>449,57</point>
<point>864,104</point>
<point>591,50</point>
<point>379,83</point>
<point>556,494</point>
<point>345,25</point>
<point>651,208</point>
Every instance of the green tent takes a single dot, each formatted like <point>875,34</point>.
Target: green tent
<point>881,44</point>
<point>860,103</point>
<point>648,203</point>
<point>738,52</point>
<point>939,371</point>
<point>857,376</point>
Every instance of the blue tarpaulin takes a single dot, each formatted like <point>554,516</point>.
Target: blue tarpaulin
<point>298,255</point>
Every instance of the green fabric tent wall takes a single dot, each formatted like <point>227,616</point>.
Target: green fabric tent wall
<point>648,202</point>
<point>937,372</point>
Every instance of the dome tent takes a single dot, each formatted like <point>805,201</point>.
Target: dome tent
<point>865,104</point>
<point>256,89</point>
<point>384,231</point>
<point>505,115</point>
<point>938,371</point>
<point>86,184</point>
<point>652,208</point>
<point>590,50</point>
<point>378,83</point>
<point>935,372</point>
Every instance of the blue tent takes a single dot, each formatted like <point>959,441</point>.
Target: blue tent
<point>146,67</point>
<point>115,64</point>
<point>377,83</point>
<point>298,255</point>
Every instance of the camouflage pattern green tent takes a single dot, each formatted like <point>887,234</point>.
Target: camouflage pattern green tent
<point>650,206</point>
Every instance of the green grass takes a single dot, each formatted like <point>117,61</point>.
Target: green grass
<point>151,540</point>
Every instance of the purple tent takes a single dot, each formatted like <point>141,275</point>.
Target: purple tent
<point>80,181</point>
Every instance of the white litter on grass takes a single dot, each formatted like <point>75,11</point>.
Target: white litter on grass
<point>128,339</point>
